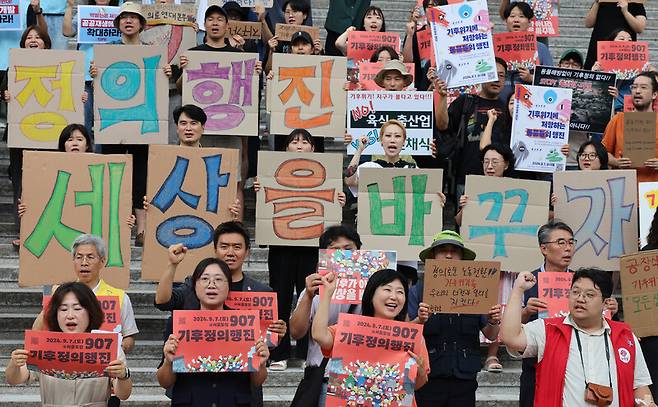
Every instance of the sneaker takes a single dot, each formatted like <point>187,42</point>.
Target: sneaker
<point>279,366</point>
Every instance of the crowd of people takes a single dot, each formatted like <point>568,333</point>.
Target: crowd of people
<point>577,360</point>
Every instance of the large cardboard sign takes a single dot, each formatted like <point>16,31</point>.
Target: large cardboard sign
<point>176,38</point>
<point>68,195</point>
<point>216,341</point>
<point>591,103</point>
<point>639,291</point>
<point>46,95</point>
<point>400,208</point>
<point>369,110</point>
<point>308,92</point>
<point>285,31</point>
<point>370,362</point>
<point>501,219</point>
<point>10,17</point>
<point>625,58</point>
<point>463,43</point>
<point>245,29</point>
<point>637,146</point>
<point>546,21</point>
<point>648,202</point>
<point>191,190</point>
<point>131,95</point>
<point>353,268</point>
<point>70,356</point>
<point>96,24</point>
<point>601,208</point>
<point>298,197</point>
<point>264,303</point>
<point>225,85</point>
<point>460,286</point>
<point>540,127</point>
<point>167,13</point>
<point>518,49</point>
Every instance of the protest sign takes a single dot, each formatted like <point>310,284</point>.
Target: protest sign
<point>70,355</point>
<point>540,127</point>
<point>245,29</point>
<point>67,197</point>
<point>546,18</point>
<point>648,202</point>
<point>639,291</point>
<point>518,49</point>
<point>601,208</point>
<point>10,16</point>
<point>591,102</point>
<point>460,286</point>
<point>639,140</point>
<point>131,97</point>
<point>298,197</point>
<point>353,268</point>
<point>425,47</point>
<point>362,44</point>
<point>176,38</point>
<point>264,303</point>
<point>285,31</point>
<point>167,13</point>
<point>369,110</point>
<point>553,288</point>
<point>226,89</point>
<point>400,208</point>
<point>368,71</point>
<point>46,95</point>
<point>624,58</point>
<point>463,43</point>
<point>191,191</point>
<point>370,361</point>
<point>111,311</point>
<point>501,219</point>
<point>216,341</point>
<point>307,92</point>
<point>96,24</point>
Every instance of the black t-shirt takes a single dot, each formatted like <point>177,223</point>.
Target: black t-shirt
<point>608,19</point>
<point>226,48</point>
<point>469,161</point>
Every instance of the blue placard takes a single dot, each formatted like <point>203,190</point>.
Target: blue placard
<point>96,24</point>
<point>10,17</point>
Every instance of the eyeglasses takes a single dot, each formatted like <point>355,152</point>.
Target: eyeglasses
<point>588,156</point>
<point>79,258</point>
<point>494,163</point>
<point>588,295</point>
<point>563,242</point>
<point>205,281</point>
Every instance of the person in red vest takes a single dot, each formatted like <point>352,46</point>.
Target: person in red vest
<point>592,360</point>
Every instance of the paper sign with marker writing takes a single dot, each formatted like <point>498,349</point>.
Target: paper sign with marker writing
<point>285,31</point>
<point>637,146</point>
<point>191,191</point>
<point>245,29</point>
<point>96,24</point>
<point>46,95</point>
<point>625,58</point>
<point>518,49</point>
<point>463,43</point>
<point>639,290</point>
<point>67,197</point>
<point>400,208</point>
<point>367,111</point>
<point>308,92</point>
<point>174,14</point>
<point>553,288</point>
<point>131,95</point>
<point>460,286</point>
<point>540,127</point>
<point>298,197</point>
<point>601,208</point>
<point>225,85</point>
<point>264,303</point>
<point>546,20</point>
<point>648,202</point>
<point>501,219</point>
<point>10,16</point>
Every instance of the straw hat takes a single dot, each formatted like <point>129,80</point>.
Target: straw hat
<point>130,7</point>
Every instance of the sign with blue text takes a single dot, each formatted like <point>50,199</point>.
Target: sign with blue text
<point>10,17</point>
<point>96,24</point>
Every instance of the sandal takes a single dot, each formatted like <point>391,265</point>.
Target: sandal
<point>492,365</point>
<point>279,366</point>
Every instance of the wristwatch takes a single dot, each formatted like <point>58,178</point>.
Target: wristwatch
<point>127,376</point>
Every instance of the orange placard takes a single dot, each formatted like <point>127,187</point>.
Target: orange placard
<point>424,39</point>
<point>370,362</point>
<point>216,341</point>
<point>368,71</point>
<point>624,58</point>
<point>361,44</point>
<point>518,49</point>
<point>70,356</point>
<point>264,303</point>
<point>554,289</point>
<point>111,311</point>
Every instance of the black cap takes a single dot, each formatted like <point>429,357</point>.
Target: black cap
<point>214,8</point>
<point>301,35</point>
<point>232,6</point>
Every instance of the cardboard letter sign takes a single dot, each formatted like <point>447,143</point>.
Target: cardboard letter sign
<point>225,85</point>
<point>264,303</point>
<point>245,29</point>
<point>67,195</point>
<point>639,290</point>
<point>369,361</point>
<point>285,31</point>
<point>46,95</point>
<point>298,197</point>
<point>639,136</point>
<point>191,190</point>
<point>308,92</point>
<point>216,341</point>
<point>131,95</point>
<point>501,219</point>
<point>166,13</point>
<point>601,208</point>
<point>400,209</point>
<point>460,286</point>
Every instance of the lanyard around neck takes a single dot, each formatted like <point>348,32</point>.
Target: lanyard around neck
<point>607,354</point>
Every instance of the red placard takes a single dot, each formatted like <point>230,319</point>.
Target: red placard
<point>70,356</point>
<point>424,38</point>
<point>362,44</point>
<point>370,365</point>
<point>624,58</point>
<point>368,71</point>
<point>264,303</point>
<point>216,341</point>
<point>518,49</point>
<point>546,21</point>
<point>111,311</point>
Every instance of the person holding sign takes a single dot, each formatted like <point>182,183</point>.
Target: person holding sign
<point>296,13</point>
<point>386,297</point>
<point>211,280</point>
<point>452,339</point>
<point>73,308</point>
<point>373,22</point>
<point>581,350</point>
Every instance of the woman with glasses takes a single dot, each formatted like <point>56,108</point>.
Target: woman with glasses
<point>591,155</point>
